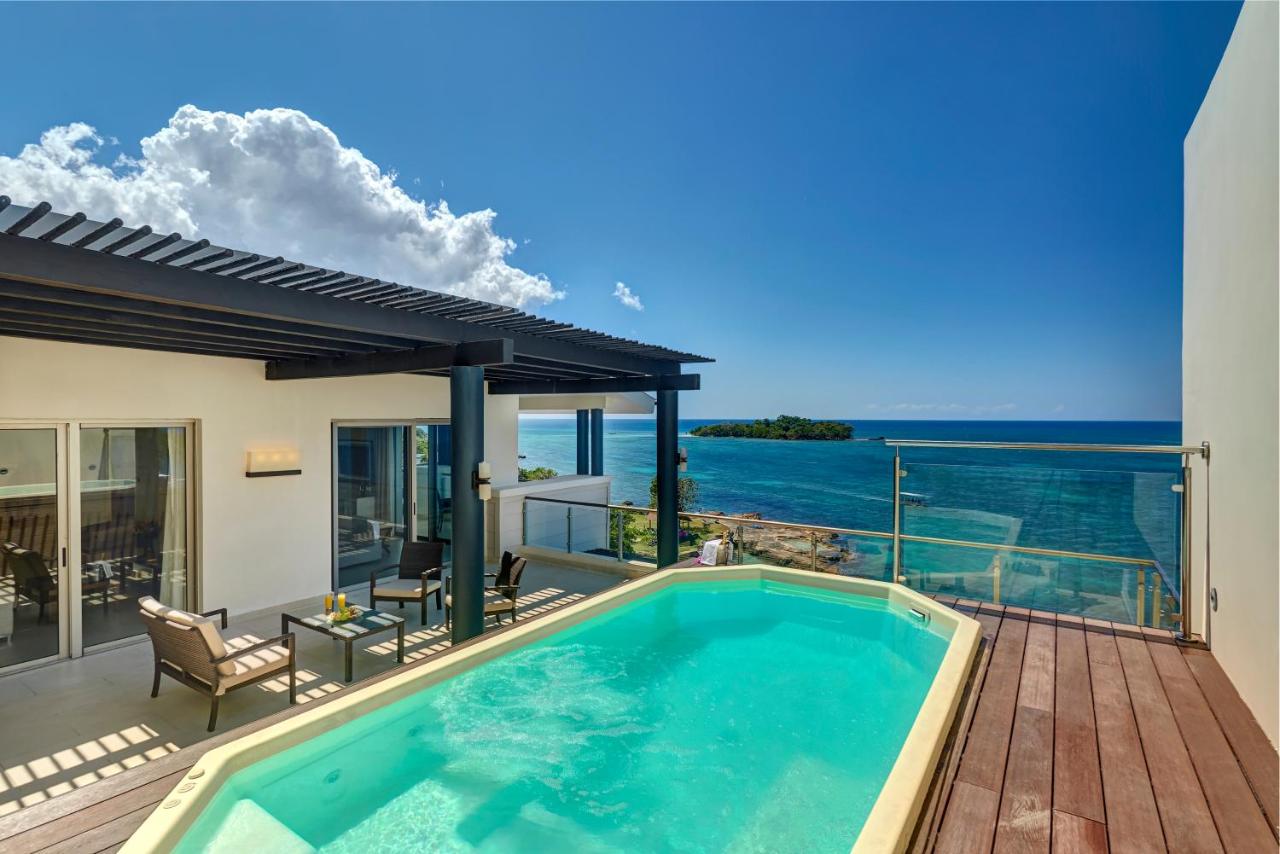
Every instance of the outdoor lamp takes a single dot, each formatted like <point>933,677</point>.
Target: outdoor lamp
<point>480,481</point>
<point>273,463</point>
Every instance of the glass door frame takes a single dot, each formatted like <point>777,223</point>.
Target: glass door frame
<point>410,427</point>
<point>62,477</point>
<point>74,544</point>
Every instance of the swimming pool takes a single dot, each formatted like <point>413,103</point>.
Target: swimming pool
<point>749,709</point>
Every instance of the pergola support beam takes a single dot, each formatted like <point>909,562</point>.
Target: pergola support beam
<point>657,382</point>
<point>431,357</point>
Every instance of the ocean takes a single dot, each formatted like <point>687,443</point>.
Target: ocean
<point>1121,505</point>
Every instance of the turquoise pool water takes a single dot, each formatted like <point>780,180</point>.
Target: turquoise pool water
<point>709,716</point>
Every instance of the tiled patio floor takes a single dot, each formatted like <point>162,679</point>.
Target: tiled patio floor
<point>70,724</point>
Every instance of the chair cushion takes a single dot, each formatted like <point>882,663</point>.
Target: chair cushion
<point>409,588</point>
<point>205,625</point>
<point>493,602</point>
<point>245,667</point>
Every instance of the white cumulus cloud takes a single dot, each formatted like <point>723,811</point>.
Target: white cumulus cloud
<point>623,294</point>
<point>276,182</point>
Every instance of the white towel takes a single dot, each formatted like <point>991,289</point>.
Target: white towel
<point>710,549</point>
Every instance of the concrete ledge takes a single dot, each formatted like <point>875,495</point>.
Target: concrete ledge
<point>591,563</point>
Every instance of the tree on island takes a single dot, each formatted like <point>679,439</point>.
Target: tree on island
<point>539,473</point>
<point>783,427</point>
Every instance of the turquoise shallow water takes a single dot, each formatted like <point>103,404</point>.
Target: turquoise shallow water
<point>712,716</point>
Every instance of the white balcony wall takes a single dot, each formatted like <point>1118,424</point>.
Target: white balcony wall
<point>1229,353</point>
<point>262,541</point>
<point>547,521</point>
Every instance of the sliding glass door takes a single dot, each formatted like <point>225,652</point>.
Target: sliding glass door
<point>31,545</point>
<point>133,526</point>
<point>391,484</point>
<point>371,498</point>
<point>433,483</point>
<point>92,517</point>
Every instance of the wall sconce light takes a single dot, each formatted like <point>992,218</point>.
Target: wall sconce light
<point>273,463</point>
<point>682,459</point>
<point>480,481</point>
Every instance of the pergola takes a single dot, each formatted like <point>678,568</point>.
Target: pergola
<point>68,278</point>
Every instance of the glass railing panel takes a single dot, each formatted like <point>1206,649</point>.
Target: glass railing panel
<point>546,524</point>
<point>1113,525</point>
<point>635,532</point>
<point>589,530</point>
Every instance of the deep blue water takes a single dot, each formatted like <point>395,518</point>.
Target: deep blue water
<point>1114,504</point>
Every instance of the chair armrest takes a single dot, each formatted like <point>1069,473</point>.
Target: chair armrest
<point>506,590</point>
<point>285,640</point>
<point>218,612</point>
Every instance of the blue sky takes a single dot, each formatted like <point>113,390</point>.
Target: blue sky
<point>868,210</point>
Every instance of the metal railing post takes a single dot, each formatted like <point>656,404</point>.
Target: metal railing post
<point>568,529</point>
<point>1184,560</point>
<point>524,521</point>
<point>813,551</point>
<point>1142,594</point>
<point>897,517</point>
<point>995,579</point>
<point>622,530</point>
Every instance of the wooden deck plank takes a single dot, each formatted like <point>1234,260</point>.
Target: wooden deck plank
<point>105,836</point>
<point>1025,821</point>
<point>1257,758</point>
<point>1075,835</point>
<point>1184,813</point>
<point>82,821</point>
<point>1077,776</point>
<point>1133,822</point>
<point>1241,822</point>
<point>970,822</point>
<point>988,743</point>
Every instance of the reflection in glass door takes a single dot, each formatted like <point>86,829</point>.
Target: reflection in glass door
<point>372,497</point>
<point>133,526</point>
<point>434,499</point>
<point>30,545</point>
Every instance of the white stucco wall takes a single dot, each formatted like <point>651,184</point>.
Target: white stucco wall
<point>263,541</point>
<point>1231,323</point>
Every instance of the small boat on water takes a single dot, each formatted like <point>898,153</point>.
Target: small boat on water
<point>914,499</point>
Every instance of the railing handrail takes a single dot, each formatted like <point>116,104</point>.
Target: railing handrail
<point>1199,450</point>
<point>856,532</point>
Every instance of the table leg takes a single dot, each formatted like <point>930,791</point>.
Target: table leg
<point>347,659</point>
<point>400,644</point>
<point>284,624</point>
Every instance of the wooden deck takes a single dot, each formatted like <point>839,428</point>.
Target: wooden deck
<point>1077,736</point>
<point>1084,736</point>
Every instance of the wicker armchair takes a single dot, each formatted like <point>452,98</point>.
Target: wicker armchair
<point>421,565</point>
<point>499,597</point>
<point>189,648</point>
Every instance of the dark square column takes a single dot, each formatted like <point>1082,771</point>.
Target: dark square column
<point>466,416</point>
<point>668,518</point>
<point>584,442</point>
<point>597,441</point>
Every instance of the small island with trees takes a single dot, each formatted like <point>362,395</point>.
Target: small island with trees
<point>783,427</point>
